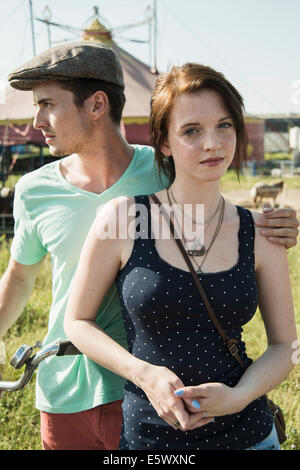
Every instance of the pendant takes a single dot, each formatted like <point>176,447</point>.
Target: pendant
<point>197,251</point>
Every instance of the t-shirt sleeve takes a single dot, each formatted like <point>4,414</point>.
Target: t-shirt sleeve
<point>26,246</point>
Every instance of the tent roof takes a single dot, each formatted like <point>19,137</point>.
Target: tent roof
<point>139,83</point>
<point>18,107</point>
<point>138,77</point>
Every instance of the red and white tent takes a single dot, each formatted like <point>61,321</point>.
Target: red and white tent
<point>17,112</point>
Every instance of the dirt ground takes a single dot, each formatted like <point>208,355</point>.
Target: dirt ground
<point>289,198</point>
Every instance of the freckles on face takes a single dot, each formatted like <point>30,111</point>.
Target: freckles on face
<point>200,127</point>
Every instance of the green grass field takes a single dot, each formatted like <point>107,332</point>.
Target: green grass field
<point>230,181</point>
<point>19,420</point>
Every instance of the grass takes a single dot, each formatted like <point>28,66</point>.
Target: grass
<point>231,183</point>
<point>278,156</point>
<point>19,420</point>
<point>286,395</point>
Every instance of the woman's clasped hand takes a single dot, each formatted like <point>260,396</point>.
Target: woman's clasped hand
<point>163,389</point>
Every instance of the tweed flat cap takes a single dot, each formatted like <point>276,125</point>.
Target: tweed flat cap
<point>68,61</point>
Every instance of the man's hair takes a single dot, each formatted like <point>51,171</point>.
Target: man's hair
<point>190,78</point>
<point>84,88</point>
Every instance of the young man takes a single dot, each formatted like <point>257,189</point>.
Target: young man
<point>78,90</point>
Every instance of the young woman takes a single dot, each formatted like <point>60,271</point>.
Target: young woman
<point>184,389</point>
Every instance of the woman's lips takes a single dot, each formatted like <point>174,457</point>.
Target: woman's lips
<point>212,161</point>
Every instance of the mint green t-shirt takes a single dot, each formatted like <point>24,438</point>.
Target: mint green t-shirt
<point>53,216</point>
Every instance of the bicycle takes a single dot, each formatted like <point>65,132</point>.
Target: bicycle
<point>23,356</point>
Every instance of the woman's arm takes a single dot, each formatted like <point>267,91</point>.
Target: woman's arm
<point>98,266</point>
<point>277,310</point>
<point>275,364</point>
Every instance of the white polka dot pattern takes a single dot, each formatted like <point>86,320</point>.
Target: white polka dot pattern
<point>167,324</point>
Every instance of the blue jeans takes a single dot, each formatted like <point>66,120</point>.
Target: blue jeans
<point>271,442</point>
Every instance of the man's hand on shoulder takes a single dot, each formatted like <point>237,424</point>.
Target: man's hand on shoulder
<point>280,226</point>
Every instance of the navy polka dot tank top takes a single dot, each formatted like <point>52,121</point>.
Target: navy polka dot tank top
<point>167,324</point>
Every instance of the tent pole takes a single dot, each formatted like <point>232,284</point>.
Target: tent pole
<point>155,33</point>
<point>32,27</point>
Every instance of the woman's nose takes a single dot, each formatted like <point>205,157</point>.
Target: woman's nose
<point>211,141</point>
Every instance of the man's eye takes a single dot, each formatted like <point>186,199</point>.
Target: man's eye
<point>46,104</point>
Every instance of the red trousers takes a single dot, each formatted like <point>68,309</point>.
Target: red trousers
<point>95,429</point>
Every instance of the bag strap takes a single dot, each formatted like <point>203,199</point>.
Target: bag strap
<point>229,342</point>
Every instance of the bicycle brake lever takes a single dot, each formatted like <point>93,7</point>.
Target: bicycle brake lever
<point>21,356</point>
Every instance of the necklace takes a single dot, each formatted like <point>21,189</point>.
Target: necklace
<point>202,251</point>
<point>197,249</point>
<point>220,221</point>
<point>206,222</point>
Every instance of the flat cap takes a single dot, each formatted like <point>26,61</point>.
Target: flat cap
<point>68,61</point>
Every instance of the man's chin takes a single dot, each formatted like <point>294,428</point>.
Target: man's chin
<point>57,153</point>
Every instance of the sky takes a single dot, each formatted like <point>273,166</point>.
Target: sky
<point>255,43</point>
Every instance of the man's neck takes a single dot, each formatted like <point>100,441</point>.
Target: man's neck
<point>99,166</point>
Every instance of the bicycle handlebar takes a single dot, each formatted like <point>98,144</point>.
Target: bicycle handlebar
<point>23,357</point>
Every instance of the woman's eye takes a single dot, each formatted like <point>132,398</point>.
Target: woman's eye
<point>189,132</point>
<point>225,125</point>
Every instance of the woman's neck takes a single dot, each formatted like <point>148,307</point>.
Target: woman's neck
<point>206,193</point>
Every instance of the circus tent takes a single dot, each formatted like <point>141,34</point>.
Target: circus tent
<point>139,81</point>
<point>16,114</point>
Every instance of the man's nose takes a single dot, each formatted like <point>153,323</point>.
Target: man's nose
<point>39,120</point>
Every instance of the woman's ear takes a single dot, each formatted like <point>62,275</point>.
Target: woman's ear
<point>165,149</point>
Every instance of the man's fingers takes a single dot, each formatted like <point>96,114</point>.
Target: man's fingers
<point>285,213</point>
<point>284,237</point>
<point>280,232</point>
<point>278,222</point>
<point>286,242</point>
<point>267,207</point>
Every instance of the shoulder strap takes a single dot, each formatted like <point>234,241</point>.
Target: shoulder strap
<point>229,342</point>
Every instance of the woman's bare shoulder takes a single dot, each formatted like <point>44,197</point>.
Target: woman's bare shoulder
<point>265,251</point>
<point>110,214</point>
